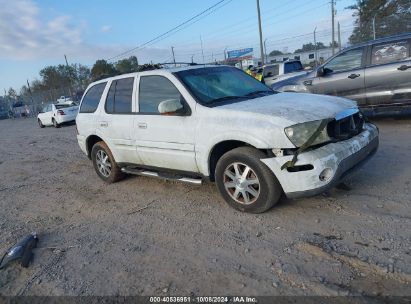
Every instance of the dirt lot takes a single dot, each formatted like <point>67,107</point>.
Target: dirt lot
<point>188,241</point>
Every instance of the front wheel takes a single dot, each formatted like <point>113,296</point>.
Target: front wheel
<point>245,182</point>
<point>104,163</point>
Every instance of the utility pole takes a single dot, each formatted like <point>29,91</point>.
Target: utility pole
<point>174,58</point>
<point>225,55</point>
<point>373,26</point>
<point>31,95</point>
<point>339,37</point>
<point>202,50</point>
<point>332,26</point>
<point>315,48</point>
<point>192,58</point>
<point>68,69</point>
<point>261,32</point>
<point>265,51</point>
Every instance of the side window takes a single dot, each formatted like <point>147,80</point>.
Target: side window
<point>271,69</point>
<point>92,98</point>
<point>154,90</point>
<point>390,52</point>
<point>346,61</point>
<point>120,96</point>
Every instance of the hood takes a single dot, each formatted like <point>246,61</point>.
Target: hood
<point>294,79</point>
<point>292,108</point>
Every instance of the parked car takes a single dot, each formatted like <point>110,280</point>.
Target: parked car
<point>276,72</point>
<point>57,114</point>
<point>218,123</point>
<point>377,74</point>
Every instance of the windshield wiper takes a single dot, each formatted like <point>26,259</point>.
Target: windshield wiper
<point>227,98</point>
<point>258,92</point>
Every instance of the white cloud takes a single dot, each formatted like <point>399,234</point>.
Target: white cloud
<point>24,35</point>
<point>106,28</point>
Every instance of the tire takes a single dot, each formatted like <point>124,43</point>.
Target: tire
<point>107,170</point>
<point>258,192</point>
<point>40,123</point>
<point>55,123</point>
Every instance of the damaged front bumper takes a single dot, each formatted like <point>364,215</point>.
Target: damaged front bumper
<point>324,167</point>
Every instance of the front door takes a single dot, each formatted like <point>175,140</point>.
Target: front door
<point>164,141</point>
<point>343,76</point>
<point>388,77</point>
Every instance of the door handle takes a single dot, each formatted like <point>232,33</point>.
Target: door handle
<point>404,67</point>
<point>142,125</point>
<point>353,76</point>
<point>104,124</point>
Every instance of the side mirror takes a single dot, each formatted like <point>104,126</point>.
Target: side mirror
<point>171,107</point>
<point>41,112</point>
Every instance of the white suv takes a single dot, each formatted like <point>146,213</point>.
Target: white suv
<point>218,123</point>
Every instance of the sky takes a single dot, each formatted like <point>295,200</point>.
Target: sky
<point>38,33</point>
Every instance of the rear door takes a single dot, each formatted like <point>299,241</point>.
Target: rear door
<point>116,118</point>
<point>344,76</point>
<point>164,141</point>
<point>388,75</point>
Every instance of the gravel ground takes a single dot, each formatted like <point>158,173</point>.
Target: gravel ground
<point>98,239</point>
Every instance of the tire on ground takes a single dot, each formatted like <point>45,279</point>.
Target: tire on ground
<point>115,174</point>
<point>270,188</point>
<point>40,123</point>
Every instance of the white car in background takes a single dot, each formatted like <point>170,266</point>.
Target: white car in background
<point>57,114</point>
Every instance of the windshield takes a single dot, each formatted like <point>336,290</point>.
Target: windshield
<point>214,85</point>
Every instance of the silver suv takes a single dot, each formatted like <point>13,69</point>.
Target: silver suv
<point>377,74</point>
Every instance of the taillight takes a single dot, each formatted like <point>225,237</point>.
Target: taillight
<point>60,112</point>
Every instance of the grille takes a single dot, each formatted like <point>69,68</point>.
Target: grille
<point>346,127</point>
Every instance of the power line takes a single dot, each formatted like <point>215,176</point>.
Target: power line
<point>169,31</point>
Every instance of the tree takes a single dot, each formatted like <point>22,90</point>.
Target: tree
<point>275,53</point>
<point>391,17</point>
<point>102,68</point>
<point>310,47</point>
<point>127,65</point>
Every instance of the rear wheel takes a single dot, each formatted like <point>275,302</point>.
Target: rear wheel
<point>245,182</point>
<point>40,123</point>
<point>104,163</point>
<point>55,123</point>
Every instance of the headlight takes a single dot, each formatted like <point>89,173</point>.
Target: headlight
<point>298,134</point>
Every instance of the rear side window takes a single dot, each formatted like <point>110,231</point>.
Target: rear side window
<point>290,67</point>
<point>120,96</point>
<point>92,98</point>
<point>390,52</point>
<point>271,69</point>
<point>153,90</point>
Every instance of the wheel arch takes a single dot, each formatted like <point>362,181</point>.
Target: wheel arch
<point>90,142</point>
<point>219,149</point>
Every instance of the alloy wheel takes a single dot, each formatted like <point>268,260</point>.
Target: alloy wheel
<point>103,163</point>
<point>241,183</point>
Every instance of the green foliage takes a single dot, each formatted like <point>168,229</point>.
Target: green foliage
<point>391,17</point>
<point>310,47</point>
<point>275,53</point>
<point>102,68</point>
<point>128,65</point>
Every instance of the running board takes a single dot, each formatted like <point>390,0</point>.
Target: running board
<point>167,176</point>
